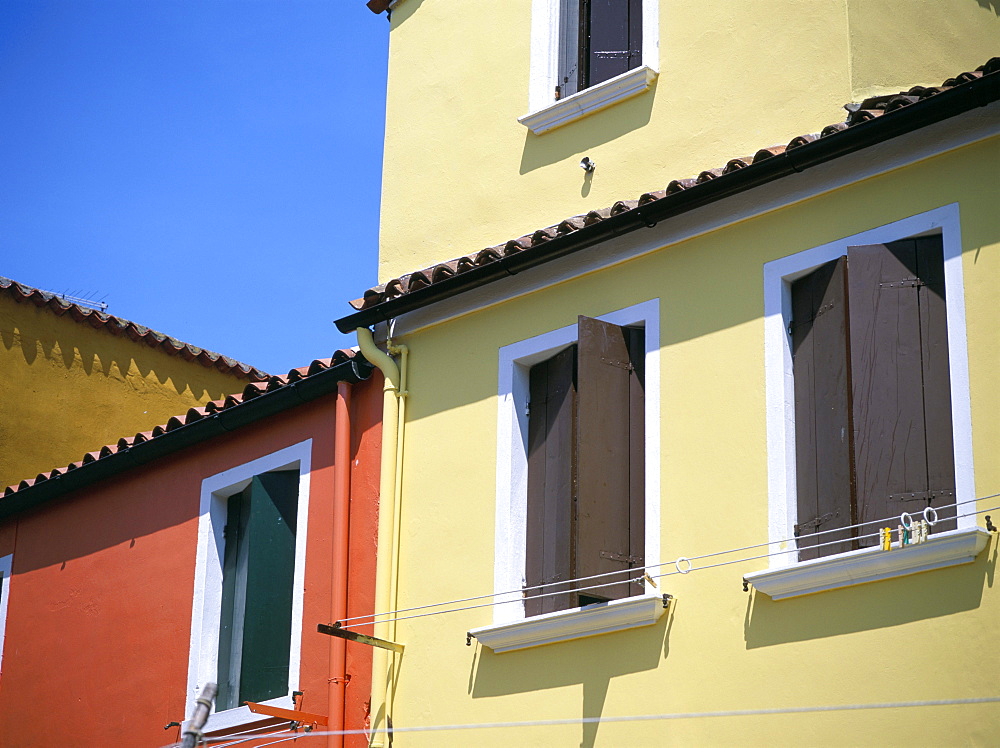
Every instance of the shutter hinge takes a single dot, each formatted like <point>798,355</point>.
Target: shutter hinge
<point>626,365</point>
<point>612,54</point>
<point>921,495</point>
<point>905,283</point>
<point>814,523</point>
<point>621,557</point>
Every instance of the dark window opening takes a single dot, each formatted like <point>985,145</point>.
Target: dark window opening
<point>603,38</point>
<point>257,584</point>
<point>586,497</point>
<point>873,430</point>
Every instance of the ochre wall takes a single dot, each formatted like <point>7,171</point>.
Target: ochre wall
<point>460,173</point>
<point>922,637</point>
<point>99,619</point>
<point>67,388</point>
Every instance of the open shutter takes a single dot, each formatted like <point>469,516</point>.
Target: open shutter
<point>551,484</point>
<point>821,373</point>
<point>608,493</point>
<point>267,624</point>
<point>902,403</point>
<point>613,34</point>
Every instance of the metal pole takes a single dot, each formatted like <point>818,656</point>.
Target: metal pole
<point>203,706</point>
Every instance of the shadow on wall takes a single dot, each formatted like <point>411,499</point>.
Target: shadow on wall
<point>596,129</point>
<point>77,351</point>
<point>875,605</point>
<point>590,662</point>
<point>990,5</point>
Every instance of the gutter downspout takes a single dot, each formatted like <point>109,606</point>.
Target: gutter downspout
<point>341,543</point>
<point>392,414</point>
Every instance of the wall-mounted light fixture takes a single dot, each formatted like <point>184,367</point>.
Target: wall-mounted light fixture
<point>587,165</point>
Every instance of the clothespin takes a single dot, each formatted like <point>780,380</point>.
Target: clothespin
<point>902,535</point>
<point>645,575</point>
<point>925,530</point>
<point>886,538</point>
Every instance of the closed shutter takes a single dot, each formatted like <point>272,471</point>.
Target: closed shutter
<point>258,572</point>
<point>609,491</point>
<point>901,382</point>
<point>612,30</point>
<point>823,432</point>
<point>551,481</point>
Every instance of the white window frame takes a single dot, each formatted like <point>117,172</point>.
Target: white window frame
<point>551,37</point>
<point>206,614</point>
<point>512,455</point>
<point>778,277</point>
<point>6,569</point>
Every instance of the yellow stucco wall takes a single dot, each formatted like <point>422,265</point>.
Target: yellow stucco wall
<point>67,388</point>
<point>460,173</point>
<point>922,637</point>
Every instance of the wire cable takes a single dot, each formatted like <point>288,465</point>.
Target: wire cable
<point>388,616</point>
<point>652,717</point>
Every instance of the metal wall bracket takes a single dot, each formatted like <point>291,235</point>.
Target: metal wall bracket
<point>354,636</point>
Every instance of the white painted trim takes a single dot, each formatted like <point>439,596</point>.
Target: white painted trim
<point>906,150</point>
<point>206,610</point>
<point>512,444</point>
<point>870,564</point>
<point>6,569</point>
<point>778,276</point>
<point>589,100</point>
<point>590,620</point>
<point>545,113</point>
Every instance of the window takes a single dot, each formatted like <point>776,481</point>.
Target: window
<point>6,569</point>
<point>868,411</point>
<point>586,499</point>
<point>873,430</point>
<point>257,575</point>
<point>587,55</point>
<point>599,39</point>
<point>246,627</point>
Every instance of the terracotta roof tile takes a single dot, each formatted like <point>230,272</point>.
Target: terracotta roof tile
<point>125,328</point>
<point>867,110</point>
<point>193,415</point>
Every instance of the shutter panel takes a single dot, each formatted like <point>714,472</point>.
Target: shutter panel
<point>605,486</point>
<point>609,44</point>
<point>231,623</point>
<point>270,568</point>
<point>936,379</point>
<point>902,401</point>
<point>821,373</point>
<point>551,485</point>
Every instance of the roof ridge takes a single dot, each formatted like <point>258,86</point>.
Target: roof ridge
<point>121,327</point>
<point>869,109</point>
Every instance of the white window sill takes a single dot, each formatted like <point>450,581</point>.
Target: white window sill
<point>870,564</point>
<point>590,620</point>
<point>590,100</point>
<point>241,715</point>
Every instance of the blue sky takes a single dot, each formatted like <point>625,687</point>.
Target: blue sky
<point>210,168</point>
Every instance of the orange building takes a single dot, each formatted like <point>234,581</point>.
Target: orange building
<point>207,549</point>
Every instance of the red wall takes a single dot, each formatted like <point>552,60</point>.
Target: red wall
<point>99,614</point>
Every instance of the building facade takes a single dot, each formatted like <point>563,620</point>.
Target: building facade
<point>74,377</point>
<point>652,445</point>
<point>206,550</point>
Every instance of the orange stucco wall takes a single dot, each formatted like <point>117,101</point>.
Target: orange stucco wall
<point>99,616</point>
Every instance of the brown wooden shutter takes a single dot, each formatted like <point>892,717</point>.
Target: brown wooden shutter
<point>821,373</point>
<point>611,38</point>
<point>610,496</point>
<point>901,383</point>
<point>551,484</point>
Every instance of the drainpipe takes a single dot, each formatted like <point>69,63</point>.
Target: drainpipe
<point>392,415</point>
<point>341,542</point>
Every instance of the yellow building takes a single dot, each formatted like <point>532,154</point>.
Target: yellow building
<point>73,377</point>
<point>649,454</point>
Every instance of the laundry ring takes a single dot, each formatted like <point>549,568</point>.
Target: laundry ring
<point>678,564</point>
<point>906,520</point>
<point>928,513</point>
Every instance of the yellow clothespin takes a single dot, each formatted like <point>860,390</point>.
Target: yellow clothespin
<point>648,578</point>
<point>886,538</point>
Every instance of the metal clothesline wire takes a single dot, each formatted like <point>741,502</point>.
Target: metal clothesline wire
<point>370,618</point>
<point>643,718</point>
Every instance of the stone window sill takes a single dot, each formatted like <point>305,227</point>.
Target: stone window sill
<point>563,625</point>
<point>590,100</point>
<point>241,715</point>
<point>870,564</point>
